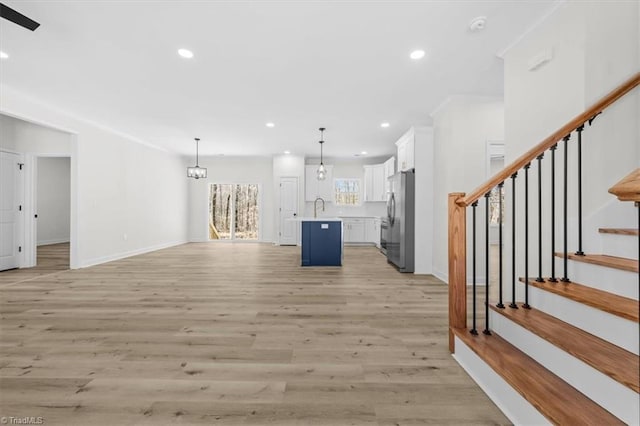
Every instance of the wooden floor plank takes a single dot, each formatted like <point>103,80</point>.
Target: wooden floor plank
<point>233,334</point>
<point>617,363</point>
<point>615,262</point>
<point>559,402</point>
<point>623,307</point>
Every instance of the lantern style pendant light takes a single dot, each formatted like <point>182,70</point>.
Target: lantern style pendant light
<point>322,171</point>
<point>197,172</point>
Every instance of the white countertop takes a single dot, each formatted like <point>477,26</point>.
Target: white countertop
<point>316,219</point>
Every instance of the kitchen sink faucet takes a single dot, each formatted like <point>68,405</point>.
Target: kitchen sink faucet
<point>315,206</point>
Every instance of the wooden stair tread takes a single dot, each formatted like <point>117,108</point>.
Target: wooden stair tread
<point>623,307</point>
<point>617,363</point>
<point>628,189</point>
<point>619,231</point>
<point>554,398</point>
<point>615,262</point>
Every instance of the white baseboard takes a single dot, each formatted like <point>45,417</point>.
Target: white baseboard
<point>443,276</point>
<point>53,241</point>
<point>122,255</point>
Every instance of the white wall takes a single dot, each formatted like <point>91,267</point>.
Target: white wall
<point>349,169</point>
<point>126,197</point>
<point>595,47</point>
<point>424,205</point>
<point>23,136</point>
<point>255,170</point>
<point>462,128</point>
<point>53,200</point>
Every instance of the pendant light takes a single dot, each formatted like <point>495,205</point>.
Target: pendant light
<point>197,172</point>
<point>322,171</point>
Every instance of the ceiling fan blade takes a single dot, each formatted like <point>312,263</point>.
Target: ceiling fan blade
<point>17,18</point>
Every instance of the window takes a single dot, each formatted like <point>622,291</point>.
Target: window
<point>497,194</point>
<point>233,212</point>
<point>347,192</point>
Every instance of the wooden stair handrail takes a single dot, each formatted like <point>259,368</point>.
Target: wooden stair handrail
<point>554,138</point>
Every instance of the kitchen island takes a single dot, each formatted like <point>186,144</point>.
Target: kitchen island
<point>321,241</point>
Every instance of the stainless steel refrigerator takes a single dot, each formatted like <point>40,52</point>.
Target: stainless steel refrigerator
<point>401,217</point>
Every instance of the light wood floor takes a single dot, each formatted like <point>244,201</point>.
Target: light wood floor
<point>51,259</point>
<point>233,334</point>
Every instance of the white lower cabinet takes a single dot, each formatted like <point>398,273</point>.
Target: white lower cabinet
<point>373,231</point>
<point>361,230</point>
<point>354,230</point>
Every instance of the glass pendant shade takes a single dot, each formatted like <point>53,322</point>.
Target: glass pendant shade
<point>322,171</point>
<point>197,172</point>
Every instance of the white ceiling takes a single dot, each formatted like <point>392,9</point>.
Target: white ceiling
<point>301,65</point>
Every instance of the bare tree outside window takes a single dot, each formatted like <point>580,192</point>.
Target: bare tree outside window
<point>494,205</point>
<point>347,192</point>
<point>233,211</point>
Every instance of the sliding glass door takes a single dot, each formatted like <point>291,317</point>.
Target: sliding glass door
<point>234,211</point>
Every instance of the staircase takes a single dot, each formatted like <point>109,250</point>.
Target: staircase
<point>562,349</point>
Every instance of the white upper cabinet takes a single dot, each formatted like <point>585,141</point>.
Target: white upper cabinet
<point>314,188</point>
<point>374,183</point>
<point>406,151</point>
<point>389,170</point>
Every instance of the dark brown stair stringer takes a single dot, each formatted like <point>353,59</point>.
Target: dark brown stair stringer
<point>619,364</point>
<point>619,231</point>
<point>615,262</point>
<point>623,307</point>
<point>554,398</point>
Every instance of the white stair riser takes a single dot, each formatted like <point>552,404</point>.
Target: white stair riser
<point>620,245</point>
<point>513,405</point>
<point>618,399</point>
<point>622,283</point>
<point>619,331</point>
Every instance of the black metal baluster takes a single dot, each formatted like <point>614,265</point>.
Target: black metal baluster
<point>553,278</point>
<point>539,158</point>
<point>486,264</point>
<point>526,237</point>
<point>500,219</point>
<point>513,241</point>
<point>565,278</point>
<point>580,129</point>
<point>474,330</point>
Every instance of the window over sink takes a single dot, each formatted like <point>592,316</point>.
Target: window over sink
<point>347,191</point>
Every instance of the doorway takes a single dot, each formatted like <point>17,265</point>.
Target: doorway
<point>289,229</point>
<point>53,211</point>
<point>234,212</point>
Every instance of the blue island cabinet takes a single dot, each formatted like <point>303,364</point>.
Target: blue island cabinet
<point>322,243</point>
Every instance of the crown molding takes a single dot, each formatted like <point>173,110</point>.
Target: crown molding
<point>538,22</point>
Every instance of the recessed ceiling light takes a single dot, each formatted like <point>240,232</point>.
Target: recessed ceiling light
<point>3,55</point>
<point>384,125</point>
<point>185,53</point>
<point>270,124</point>
<point>417,54</point>
<point>287,152</point>
<point>364,153</point>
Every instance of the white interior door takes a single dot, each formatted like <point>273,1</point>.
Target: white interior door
<point>288,210</point>
<point>10,209</point>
